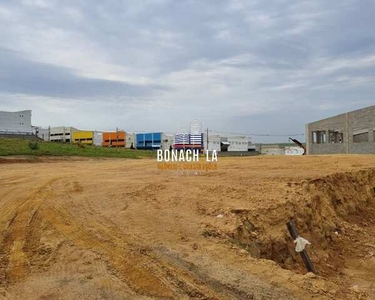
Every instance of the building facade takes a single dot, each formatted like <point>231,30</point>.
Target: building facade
<point>130,141</point>
<point>271,149</point>
<point>230,143</point>
<point>62,134</point>
<point>114,139</point>
<point>238,143</point>
<point>348,133</point>
<point>167,141</point>
<point>42,133</point>
<point>83,137</point>
<point>183,140</point>
<point>214,142</point>
<point>18,122</point>
<point>149,140</point>
<point>98,138</point>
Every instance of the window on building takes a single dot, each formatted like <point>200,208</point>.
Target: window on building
<point>323,136</point>
<point>319,137</point>
<point>314,137</point>
<point>360,137</point>
<point>336,137</point>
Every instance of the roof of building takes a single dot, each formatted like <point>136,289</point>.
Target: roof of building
<point>14,112</point>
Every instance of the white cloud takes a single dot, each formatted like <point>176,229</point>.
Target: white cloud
<point>214,61</point>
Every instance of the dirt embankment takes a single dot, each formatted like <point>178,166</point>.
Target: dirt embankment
<point>335,212</point>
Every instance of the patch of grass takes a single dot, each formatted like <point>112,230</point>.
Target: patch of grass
<point>22,147</point>
<point>33,145</point>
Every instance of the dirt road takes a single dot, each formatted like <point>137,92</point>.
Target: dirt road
<point>122,229</point>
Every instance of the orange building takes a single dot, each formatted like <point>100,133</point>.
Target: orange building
<point>114,139</point>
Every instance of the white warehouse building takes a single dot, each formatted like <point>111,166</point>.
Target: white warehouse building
<point>62,134</point>
<point>227,142</point>
<point>18,122</point>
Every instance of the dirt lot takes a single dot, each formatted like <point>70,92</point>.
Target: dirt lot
<point>122,229</point>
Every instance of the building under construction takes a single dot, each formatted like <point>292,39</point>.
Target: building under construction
<point>351,132</point>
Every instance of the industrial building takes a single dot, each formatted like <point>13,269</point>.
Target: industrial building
<point>114,139</point>
<point>238,143</point>
<point>167,141</point>
<point>195,138</point>
<point>98,138</point>
<point>83,137</point>
<point>153,141</point>
<point>18,122</point>
<point>227,142</point>
<point>184,140</point>
<point>62,134</point>
<point>130,140</point>
<point>42,133</point>
<point>271,149</point>
<point>352,132</point>
<point>192,139</point>
<point>214,142</point>
<point>280,149</point>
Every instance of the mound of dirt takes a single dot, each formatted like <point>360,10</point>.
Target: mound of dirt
<point>327,210</point>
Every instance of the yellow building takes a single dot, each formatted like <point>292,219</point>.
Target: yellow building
<point>83,137</point>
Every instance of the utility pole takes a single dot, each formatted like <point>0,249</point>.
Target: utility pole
<point>347,133</point>
<point>207,139</point>
<point>116,136</point>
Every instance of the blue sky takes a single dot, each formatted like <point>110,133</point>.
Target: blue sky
<point>265,67</point>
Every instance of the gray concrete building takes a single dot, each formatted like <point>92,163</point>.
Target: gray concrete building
<point>18,122</point>
<point>352,132</point>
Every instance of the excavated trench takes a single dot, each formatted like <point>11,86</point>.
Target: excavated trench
<point>335,213</point>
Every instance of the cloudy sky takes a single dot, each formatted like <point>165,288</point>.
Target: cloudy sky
<point>260,67</point>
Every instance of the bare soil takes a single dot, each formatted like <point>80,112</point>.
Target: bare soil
<point>122,229</point>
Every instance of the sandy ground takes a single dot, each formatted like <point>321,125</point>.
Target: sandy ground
<point>122,229</point>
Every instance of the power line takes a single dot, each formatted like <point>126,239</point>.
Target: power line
<point>259,134</point>
<point>295,134</point>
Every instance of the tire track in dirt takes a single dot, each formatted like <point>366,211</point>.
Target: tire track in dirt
<point>145,271</point>
<point>195,282</point>
<point>130,267</point>
<point>21,237</point>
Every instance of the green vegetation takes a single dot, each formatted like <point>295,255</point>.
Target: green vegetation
<point>24,147</point>
<point>33,145</point>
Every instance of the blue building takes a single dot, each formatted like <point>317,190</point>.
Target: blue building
<point>149,141</point>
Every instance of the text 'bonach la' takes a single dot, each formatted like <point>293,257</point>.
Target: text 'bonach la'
<point>184,156</point>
